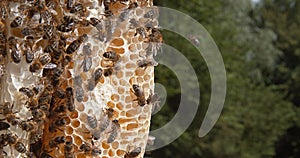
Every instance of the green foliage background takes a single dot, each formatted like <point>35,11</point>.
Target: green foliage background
<point>260,45</point>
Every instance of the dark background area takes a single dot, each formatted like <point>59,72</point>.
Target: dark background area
<point>260,45</point>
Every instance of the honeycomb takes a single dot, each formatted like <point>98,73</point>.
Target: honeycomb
<point>77,77</point>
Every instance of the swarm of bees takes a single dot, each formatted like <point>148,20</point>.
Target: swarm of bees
<point>44,36</point>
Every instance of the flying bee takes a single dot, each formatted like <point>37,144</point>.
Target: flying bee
<point>92,121</point>
<point>138,92</point>
<point>112,56</point>
<point>4,126</point>
<point>115,127</point>
<point>194,40</point>
<point>153,99</point>
<point>28,126</point>
<point>146,63</point>
<point>29,56</point>
<point>87,63</point>
<point>27,91</point>
<point>57,141</point>
<point>124,15</point>
<point>17,22</point>
<point>74,46</point>
<point>134,153</point>
<point>16,55</point>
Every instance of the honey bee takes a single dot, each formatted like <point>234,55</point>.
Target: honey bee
<point>137,90</point>
<point>42,62</point>
<point>68,150</point>
<point>45,155</point>
<point>4,126</point>
<point>74,46</point>
<point>124,15</point>
<point>87,149</point>
<point>14,47</point>
<point>109,112</point>
<point>28,126</point>
<point>114,131</point>
<point>30,155</point>
<point>155,36</point>
<point>59,122</point>
<point>9,115</point>
<point>87,64</point>
<point>146,62</point>
<point>20,147</point>
<point>141,31</point>
<point>17,22</point>
<point>70,4</point>
<point>70,99</point>
<point>194,40</point>
<point>97,24</point>
<point>133,23</point>
<point>153,99</point>
<point>29,56</point>
<point>64,28</point>
<point>153,13</point>
<point>57,141</point>
<point>16,55</point>
<point>77,8</point>
<point>27,31</point>
<point>87,50</point>
<point>79,93</point>
<point>133,5</point>
<point>112,56</point>
<point>52,47</point>
<point>27,91</point>
<point>57,72</point>
<point>38,115</point>
<point>97,75</point>
<point>11,138</point>
<point>92,121</point>
<point>134,153</point>
<point>35,136</point>
<point>48,31</point>
<point>106,4</point>
<point>108,72</point>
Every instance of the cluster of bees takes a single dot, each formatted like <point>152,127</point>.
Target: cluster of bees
<point>42,34</point>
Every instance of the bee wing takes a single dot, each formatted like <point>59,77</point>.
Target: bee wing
<point>50,66</point>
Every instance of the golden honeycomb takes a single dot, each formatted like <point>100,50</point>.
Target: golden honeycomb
<point>77,77</point>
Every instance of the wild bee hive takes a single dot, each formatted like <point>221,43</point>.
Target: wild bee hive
<point>77,77</point>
